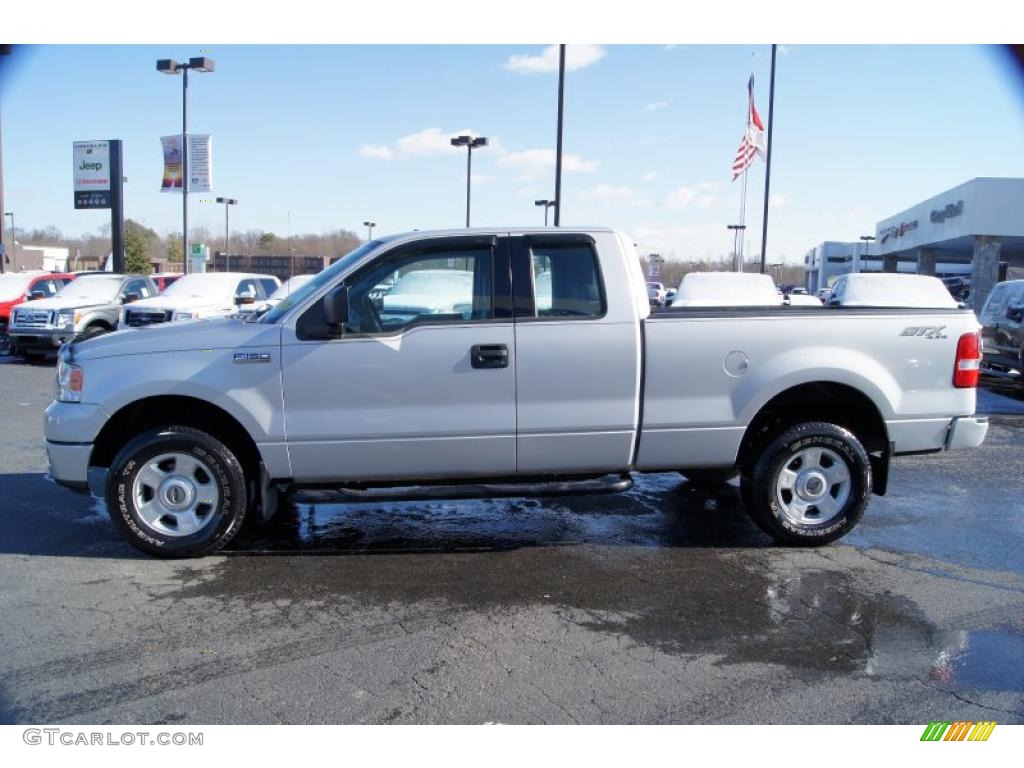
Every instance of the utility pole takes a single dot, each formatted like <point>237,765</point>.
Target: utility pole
<point>5,50</point>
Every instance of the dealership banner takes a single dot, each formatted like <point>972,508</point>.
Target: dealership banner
<point>91,173</point>
<point>200,163</point>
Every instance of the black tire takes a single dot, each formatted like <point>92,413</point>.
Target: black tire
<point>709,478</point>
<point>90,331</point>
<point>227,516</point>
<point>759,489</point>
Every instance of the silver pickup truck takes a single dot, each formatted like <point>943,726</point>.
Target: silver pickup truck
<point>85,307</point>
<point>538,368</point>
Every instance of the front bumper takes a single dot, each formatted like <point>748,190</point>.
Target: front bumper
<point>40,338</point>
<point>967,432</point>
<point>69,464</point>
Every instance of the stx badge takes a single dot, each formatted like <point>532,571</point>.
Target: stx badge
<point>928,331</point>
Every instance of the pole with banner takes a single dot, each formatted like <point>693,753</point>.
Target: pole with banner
<point>187,170</point>
<point>98,173</point>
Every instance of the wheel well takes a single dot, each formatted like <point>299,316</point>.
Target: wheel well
<point>818,401</point>
<point>99,324</point>
<point>173,410</point>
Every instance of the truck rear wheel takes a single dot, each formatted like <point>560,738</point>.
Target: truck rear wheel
<point>177,492</point>
<point>810,485</point>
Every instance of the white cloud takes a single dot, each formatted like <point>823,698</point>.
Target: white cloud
<point>680,198</point>
<point>655,105</point>
<point>650,176</point>
<point>537,162</point>
<point>482,178</point>
<point>429,141</point>
<point>706,201</point>
<point>576,57</point>
<point>526,192</point>
<point>778,200</point>
<point>626,196</point>
<point>376,151</point>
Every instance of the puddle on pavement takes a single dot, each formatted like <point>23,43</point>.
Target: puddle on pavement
<point>989,659</point>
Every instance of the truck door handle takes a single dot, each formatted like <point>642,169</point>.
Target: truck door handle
<point>489,356</point>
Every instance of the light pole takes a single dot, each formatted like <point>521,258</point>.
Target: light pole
<point>228,202</point>
<point>470,143</point>
<point>867,244</point>
<point>737,234</point>
<point>172,67</point>
<point>547,204</point>
<point>14,243</point>
<point>369,229</point>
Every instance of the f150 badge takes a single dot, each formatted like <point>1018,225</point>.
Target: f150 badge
<point>928,331</point>
<point>252,357</point>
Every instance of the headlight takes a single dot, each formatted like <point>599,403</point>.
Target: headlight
<point>183,316</point>
<point>67,317</point>
<point>70,380</point>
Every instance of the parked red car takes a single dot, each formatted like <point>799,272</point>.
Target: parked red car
<point>164,279</point>
<point>19,287</point>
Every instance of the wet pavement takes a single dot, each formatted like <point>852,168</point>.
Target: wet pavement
<point>664,604</point>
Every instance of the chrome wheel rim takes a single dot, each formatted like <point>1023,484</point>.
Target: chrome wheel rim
<point>813,486</point>
<point>175,494</point>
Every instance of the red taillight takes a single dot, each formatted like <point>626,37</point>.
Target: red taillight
<point>968,361</point>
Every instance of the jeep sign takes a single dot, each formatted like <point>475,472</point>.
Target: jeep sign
<point>91,174</point>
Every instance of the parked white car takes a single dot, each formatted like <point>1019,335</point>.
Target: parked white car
<point>201,295</point>
<point>429,291</point>
<point>285,290</point>
<point>727,289</point>
<point>803,300</point>
<point>889,289</point>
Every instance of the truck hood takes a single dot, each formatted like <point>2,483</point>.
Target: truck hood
<point>190,303</point>
<point>56,302</point>
<point>216,333</point>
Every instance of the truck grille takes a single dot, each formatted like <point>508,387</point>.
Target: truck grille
<point>33,318</point>
<point>139,317</point>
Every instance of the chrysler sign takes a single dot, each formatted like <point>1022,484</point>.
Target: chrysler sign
<point>91,173</point>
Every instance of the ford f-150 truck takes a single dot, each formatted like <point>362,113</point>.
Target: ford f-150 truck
<point>88,306</point>
<point>337,392</point>
<point>18,287</point>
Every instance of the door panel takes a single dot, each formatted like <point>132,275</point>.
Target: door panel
<point>412,406</point>
<point>577,361</point>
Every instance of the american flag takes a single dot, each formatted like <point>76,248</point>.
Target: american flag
<point>753,143</point>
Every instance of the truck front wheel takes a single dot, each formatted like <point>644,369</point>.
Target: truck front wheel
<point>177,492</point>
<point>810,485</point>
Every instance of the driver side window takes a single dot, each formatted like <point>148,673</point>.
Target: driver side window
<point>437,285</point>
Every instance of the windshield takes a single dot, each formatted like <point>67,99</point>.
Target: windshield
<point>201,285</point>
<point>93,288</point>
<point>13,286</point>
<point>319,281</point>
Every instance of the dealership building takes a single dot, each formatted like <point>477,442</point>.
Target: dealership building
<point>975,231</point>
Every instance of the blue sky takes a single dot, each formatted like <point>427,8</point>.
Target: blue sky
<point>335,135</point>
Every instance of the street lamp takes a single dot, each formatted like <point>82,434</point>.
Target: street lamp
<point>868,239</point>
<point>14,243</point>
<point>737,234</point>
<point>470,143</point>
<point>369,229</point>
<point>228,202</point>
<point>547,204</point>
<point>172,67</point>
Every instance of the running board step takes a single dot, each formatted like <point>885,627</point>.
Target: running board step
<point>478,490</point>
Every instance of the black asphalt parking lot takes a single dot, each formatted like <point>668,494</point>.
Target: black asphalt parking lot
<point>662,605</point>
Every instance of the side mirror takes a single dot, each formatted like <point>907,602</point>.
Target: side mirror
<point>36,295</point>
<point>130,297</point>
<point>244,298</point>
<point>336,307</point>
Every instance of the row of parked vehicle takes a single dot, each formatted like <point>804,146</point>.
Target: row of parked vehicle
<point>40,311</point>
